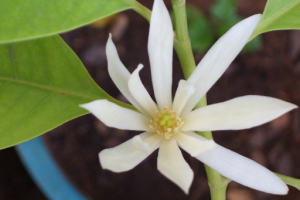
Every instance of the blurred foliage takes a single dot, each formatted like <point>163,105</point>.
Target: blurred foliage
<point>224,16</point>
<point>200,30</point>
<point>203,32</point>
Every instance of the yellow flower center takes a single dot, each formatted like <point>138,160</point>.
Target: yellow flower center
<point>166,124</point>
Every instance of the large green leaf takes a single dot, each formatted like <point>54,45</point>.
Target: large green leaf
<point>279,15</point>
<point>21,20</point>
<point>42,82</point>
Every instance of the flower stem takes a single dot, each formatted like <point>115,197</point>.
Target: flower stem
<point>142,10</point>
<point>182,44</point>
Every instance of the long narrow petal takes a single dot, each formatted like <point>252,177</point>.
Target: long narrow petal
<point>183,93</point>
<point>193,143</point>
<point>238,113</point>
<point>140,93</point>
<point>218,58</point>
<point>171,163</point>
<point>130,153</point>
<point>116,116</point>
<point>119,73</point>
<point>242,170</point>
<point>160,49</point>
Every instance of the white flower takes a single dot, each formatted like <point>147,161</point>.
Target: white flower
<point>168,124</point>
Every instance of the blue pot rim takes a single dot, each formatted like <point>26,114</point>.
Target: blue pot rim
<point>44,171</point>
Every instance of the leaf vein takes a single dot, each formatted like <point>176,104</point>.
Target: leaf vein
<point>72,93</point>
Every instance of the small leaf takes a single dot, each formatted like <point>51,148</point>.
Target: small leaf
<point>290,180</point>
<point>279,15</point>
<point>21,20</point>
<point>42,82</point>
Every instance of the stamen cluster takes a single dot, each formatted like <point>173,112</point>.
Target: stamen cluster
<point>166,124</point>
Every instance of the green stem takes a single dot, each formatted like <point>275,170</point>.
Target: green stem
<point>217,184</point>
<point>142,10</point>
<point>182,44</point>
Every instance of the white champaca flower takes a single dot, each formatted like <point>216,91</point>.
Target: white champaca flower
<point>169,125</point>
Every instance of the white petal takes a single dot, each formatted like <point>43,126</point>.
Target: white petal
<point>242,170</point>
<point>218,58</point>
<point>130,153</point>
<point>238,113</point>
<point>193,143</point>
<point>116,116</point>
<point>160,49</point>
<point>119,73</point>
<point>183,92</point>
<point>139,92</point>
<point>171,163</point>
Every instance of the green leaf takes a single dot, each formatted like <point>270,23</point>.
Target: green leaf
<point>279,15</point>
<point>42,82</point>
<point>21,20</point>
<point>290,181</point>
